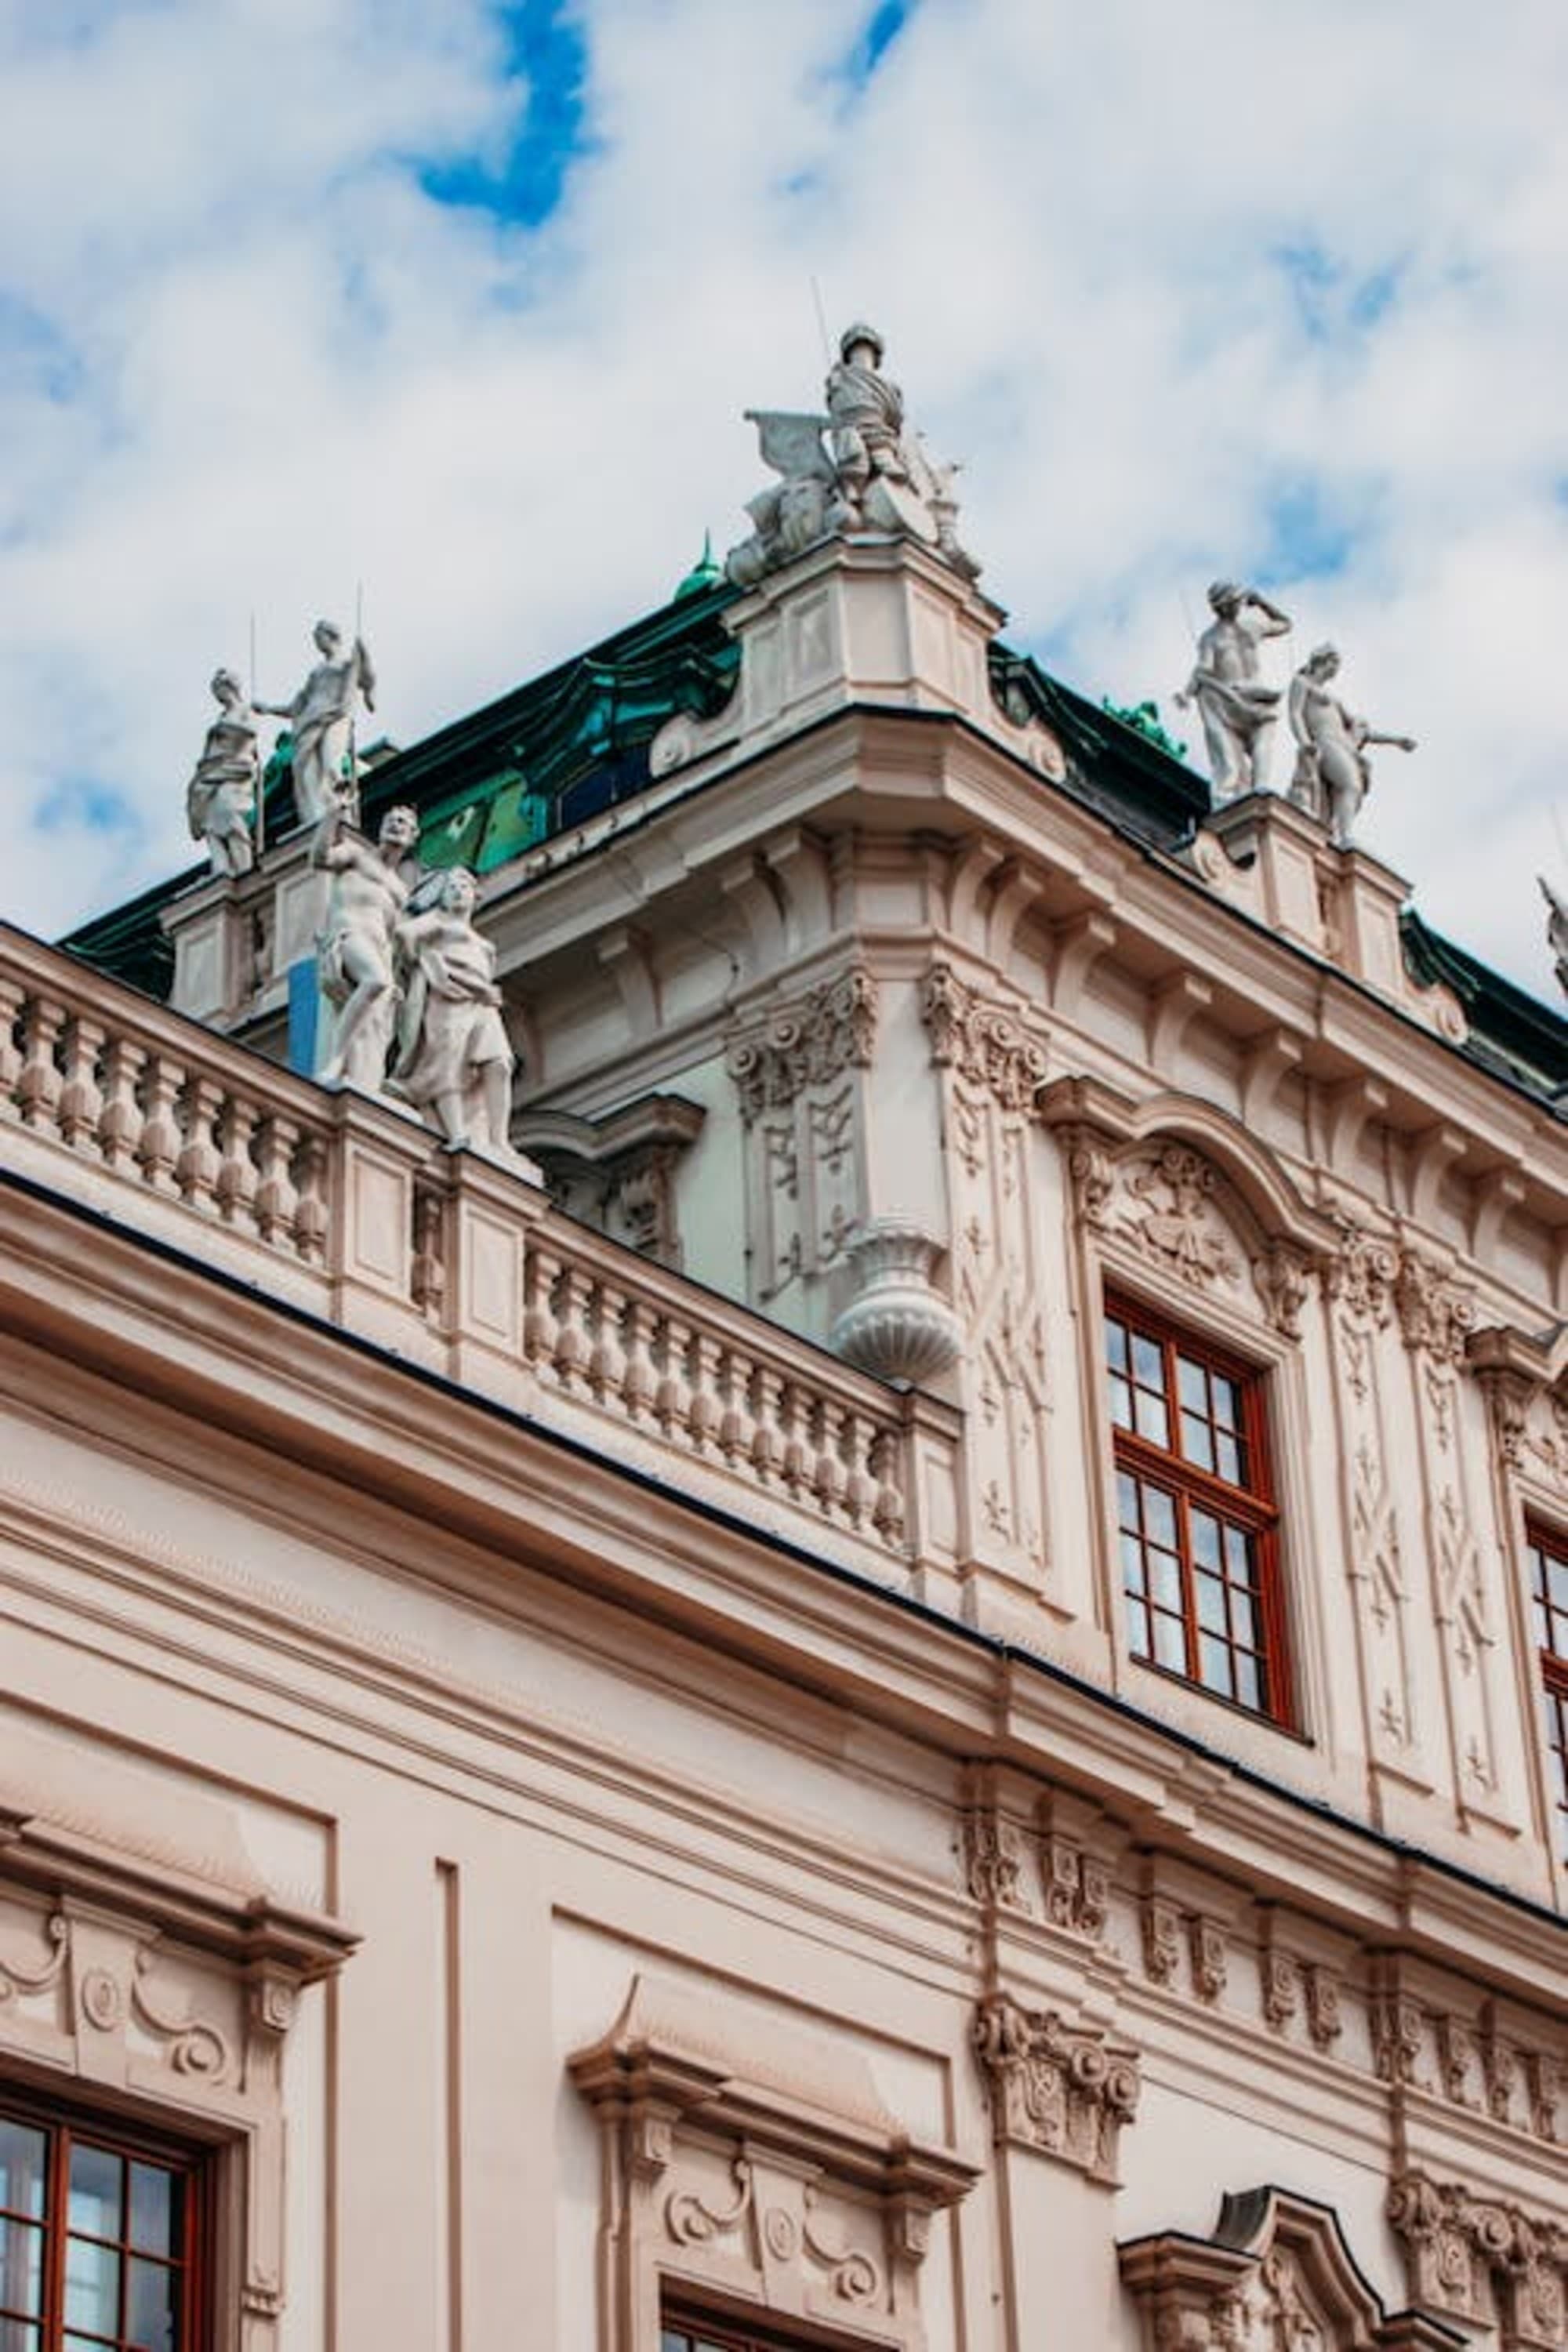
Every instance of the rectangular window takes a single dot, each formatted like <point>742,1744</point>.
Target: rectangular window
<point>1198,1530</point>
<point>688,2334</point>
<point>99,2239</point>
<point>1549,1610</point>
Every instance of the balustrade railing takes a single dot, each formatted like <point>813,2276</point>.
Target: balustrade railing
<point>348,1203</point>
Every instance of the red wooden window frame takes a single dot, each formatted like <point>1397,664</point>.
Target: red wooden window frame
<point>1549,1617</point>
<point>1220,1601</point>
<point>67,2131</point>
<point>682,2329</point>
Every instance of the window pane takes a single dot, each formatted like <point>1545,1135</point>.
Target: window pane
<point>92,2287</point>
<point>151,2208</point>
<point>1165,1580</point>
<point>95,2191</point>
<point>17,2335</point>
<point>1211,1605</point>
<point>1148,1363</point>
<point>1214,1663</point>
<point>1120,1402</point>
<point>1228,1457</point>
<point>1153,1422</point>
<point>1127,1499</point>
<point>1193,1386</point>
<point>1237,1556</point>
<point>1248,1686</point>
<point>1138,1629</point>
<point>1197,1441</point>
<point>24,2158</point>
<point>1205,1539</point>
<point>1224,1400</point>
<point>21,2265</point>
<point>150,2308</point>
<point>1542,1628</point>
<point>1115,1344</point>
<point>1160,1517</point>
<point>1557,1583</point>
<point>1243,1619</point>
<point>1131,1564</point>
<point>1170,1644</point>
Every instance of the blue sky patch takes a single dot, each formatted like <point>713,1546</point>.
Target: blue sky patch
<point>547,60</point>
<point>1333,303</point>
<point>34,353</point>
<point>87,805</point>
<point>1308,538</point>
<point>876,38</point>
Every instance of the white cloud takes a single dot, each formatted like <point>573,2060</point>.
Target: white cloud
<point>1173,281</point>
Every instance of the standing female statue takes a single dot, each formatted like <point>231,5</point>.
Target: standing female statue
<point>455,1059</point>
<point>220,800</point>
<point>1333,774</point>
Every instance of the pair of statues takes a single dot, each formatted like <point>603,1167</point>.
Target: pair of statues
<point>869,475</point>
<point>1239,710</point>
<point>401,964</point>
<point>223,797</point>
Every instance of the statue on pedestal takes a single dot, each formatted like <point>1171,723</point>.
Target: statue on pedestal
<point>321,720</point>
<point>354,952</point>
<point>455,1059</point>
<point>870,475</point>
<point>220,800</point>
<point>1237,709</point>
<point>1333,774</point>
<point>1556,932</point>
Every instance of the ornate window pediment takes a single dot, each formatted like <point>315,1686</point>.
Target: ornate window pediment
<point>1274,2276</point>
<point>753,2170</point>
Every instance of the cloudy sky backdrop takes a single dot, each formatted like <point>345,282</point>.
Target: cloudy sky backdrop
<point>462,300</point>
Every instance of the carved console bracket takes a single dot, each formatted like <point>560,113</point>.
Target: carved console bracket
<point>750,2163</point>
<point>1484,2262</point>
<point>1053,2088</point>
<point>1526,1384</point>
<point>1276,2271</point>
<point>1181,1184</point>
<point>618,1173</point>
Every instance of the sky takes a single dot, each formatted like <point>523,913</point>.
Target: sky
<point>449,309</point>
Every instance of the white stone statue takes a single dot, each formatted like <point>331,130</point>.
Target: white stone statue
<point>1556,932</point>
<point>220,800</point>
<point>321,722</point>
<point>455,1059</point>
<point>354,952</point>
<point>1237,709</point>
<point>872,475</point>
<point>1333,775</point>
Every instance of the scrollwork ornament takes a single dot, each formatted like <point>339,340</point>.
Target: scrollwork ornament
<point>690,2220</point>
<point>26,1977</point>
<point>193,2047</point>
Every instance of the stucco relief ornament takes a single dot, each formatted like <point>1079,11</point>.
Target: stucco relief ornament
<point>871,474</point>
<point>1177,1224</point>
<point>1237,709</point>
<point>220,800</point>
<point>1333,774</point>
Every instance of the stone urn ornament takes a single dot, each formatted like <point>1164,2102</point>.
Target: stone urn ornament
<point>898,1327</point>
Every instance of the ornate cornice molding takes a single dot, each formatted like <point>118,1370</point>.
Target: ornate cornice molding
<point>983,1039</point>
<point>805,1041</point>
<point>1053,2088</point>
<point>1483,2261</point>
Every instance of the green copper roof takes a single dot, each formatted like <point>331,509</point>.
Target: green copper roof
<point>705,573</point>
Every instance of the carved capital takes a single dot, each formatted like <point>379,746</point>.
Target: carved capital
<point>1065,2093</point>
<point>1361,1273</point>
<point>981,1039</point>
<point>1435,1314</point>
<point>1284,1280</point>
<point>805,1041</point>
<point>1483,2262</point>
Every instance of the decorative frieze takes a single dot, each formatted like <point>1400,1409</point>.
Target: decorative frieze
<point>1053,2088</point>
<point>1484,2262</point>
<point>985,1042</point>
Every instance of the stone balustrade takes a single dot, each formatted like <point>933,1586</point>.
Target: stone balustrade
<point>345,1205</point>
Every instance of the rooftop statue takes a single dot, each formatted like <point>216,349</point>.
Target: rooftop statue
<point>1333,774</point>
<point>354,951</point>
<point>220,800</point>
<point>321,720</point>
<point>870,475</point>
<point>1237,709</point>
<point>1556,932</point>
<point>455,1059</point>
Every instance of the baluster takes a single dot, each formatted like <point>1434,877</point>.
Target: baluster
<point>795,1466</point>
<point>860,1488</point>
<point>767,1431</point>
<point>276,1201</point>
<point>888,1513</point>
<point>38,1082</point>
<point>736,1426</point>
<point>195,1168</point>
<point>158,1147</point>
<point>82,1103</point>
<point>237,1178</point>
<point>428,1265</point>
<point>829,1477</point>
<point>640,1387</point>
<point>706,1407</point>
<point>673,1401</point>
<point>120,1121</point>
<point>607,1364</point>
<point>11,998</point>
<point>574,1347</point>
<point>312,1212</point>
<point>541,1325</point>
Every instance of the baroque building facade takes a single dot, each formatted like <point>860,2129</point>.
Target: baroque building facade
<point>899,1691</point>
